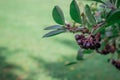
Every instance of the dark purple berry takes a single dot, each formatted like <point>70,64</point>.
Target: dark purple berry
<point>112,49</point>
<point>84,44</point>
<point>88,45</point>
<point>92,46</point>
<point>113,62</point>
<point>107,47</point>
<point>79,42</point>
<point>117,66</point>
<point>91,42</point>
<point>97,45</point>
<point>77,36</point>
<point>105,52</point>
<point>82,36</point>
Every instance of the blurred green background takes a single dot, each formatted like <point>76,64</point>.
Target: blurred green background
<point>25,55</point>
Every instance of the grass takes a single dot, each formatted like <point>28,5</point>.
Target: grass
<point>25,55</point>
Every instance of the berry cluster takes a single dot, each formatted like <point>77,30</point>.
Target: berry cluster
<point>108,49</point>
<point>91,42</point>
<point>116,63</point>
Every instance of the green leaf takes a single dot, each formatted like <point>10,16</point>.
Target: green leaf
<point>100,29</point>
<point>75,12</point>
<point>118,55</point>
<point>54,27</point>
<point>114,17</point>
<point>90,17</point>
<point>113,1</point>
<point>53,33</point>
<point>109,13</point>
<point>88,51</point>
<point>80,54</point>
<point>118,3</point>
<point>58,15</point>
<point>96,1</point>
<point>71,63</point>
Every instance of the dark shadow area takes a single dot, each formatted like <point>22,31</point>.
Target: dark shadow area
<point>6,69</point>
<point>89,70</point>
<point>70,43</point>
<point>56,70</point>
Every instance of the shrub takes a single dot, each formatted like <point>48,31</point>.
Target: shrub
<point>97,28</point>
